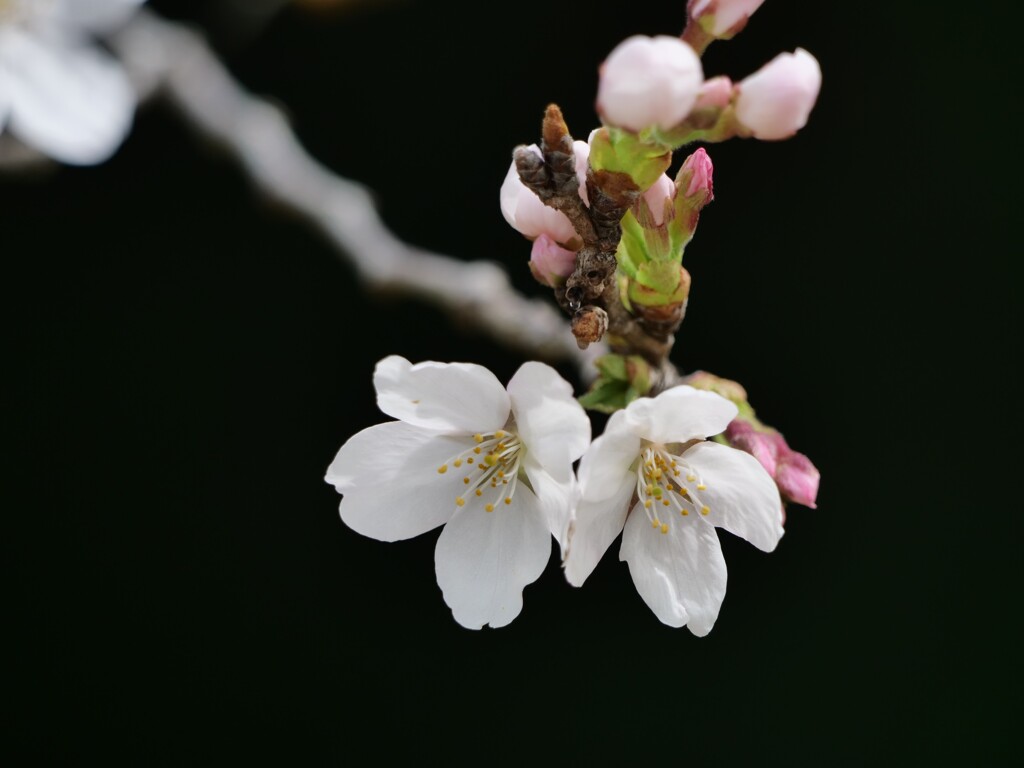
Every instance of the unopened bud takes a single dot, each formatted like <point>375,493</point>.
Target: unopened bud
<point>649,81</point>
<point>794,474</point>
<point>525,212</point>
<point>661,192</point>
<point>723,18</point>
<point>715,93</point>
<point>550,263</point>
<point>775,101</point>
<point>696,174</point>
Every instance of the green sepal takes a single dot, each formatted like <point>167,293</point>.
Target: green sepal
<point>618,150</point>
<point>622,380</point>
<point>644,296</point>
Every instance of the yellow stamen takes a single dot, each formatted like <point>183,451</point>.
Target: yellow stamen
<point>465,480</point>
<point>500,434</point>
<point>690,478</point>
<point>664,528</point>
<point>457,462</point>
<point>491,459</point>
<point>655,523</point>
<point>489,507</point>
<point>460,501</point>
<point>647,504</point>
<point>508,501</point>
<point>683,512</point>
<point>704,510</point>
<point>478,437</point>
<point>469,460</point>
<point>476,451</point>
<point>479,492</point>
<point>702,487</point>
<point>442,469</point>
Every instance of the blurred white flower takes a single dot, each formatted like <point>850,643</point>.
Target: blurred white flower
<point>493,466</point>
<point>59,92</point>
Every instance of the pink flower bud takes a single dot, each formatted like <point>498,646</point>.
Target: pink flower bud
<point>716,92</point>
<point>649,81</point>
<point>794,474</point>
<point>774,102</point>
<point>527,214</point>
<point>550,263</point>
<point>741,434</point>
<point>699,166</point>
<point>797,478</point>
<point>726,13</point>
<point>663,189</point>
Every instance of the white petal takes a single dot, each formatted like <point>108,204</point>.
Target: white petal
<point>609,458</point>
<point>681,574</point>
<point>72,102</point>
<point>742,496</point>
<point>453,397</point>
<point>95,15</point>
<point>5,94</point>
<point>484,559</point>
<point>388,475</point>
<point>550,421</point>
<point>556,499</point>
<point>680,414</point>
<point>595,525</point>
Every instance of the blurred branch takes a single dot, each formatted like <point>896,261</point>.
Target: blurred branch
<point>168,59</point>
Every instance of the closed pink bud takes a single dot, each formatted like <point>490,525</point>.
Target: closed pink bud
<point>775,101</point>
<point>716,92</point>
<point>526,213</point>
<point>550,263</point>
<point>797,478</point>
<point>699,166</point>
<point>741,434</point>
<point>726,13</point>
<point>649,81</point>
<point>664,189</point>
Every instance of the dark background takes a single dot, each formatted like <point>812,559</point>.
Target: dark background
<point>185,359</point>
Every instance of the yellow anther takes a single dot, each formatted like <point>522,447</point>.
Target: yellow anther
<point>491,459</point>
<point>655,523</point>
<point>442,469</point>
<point>650,491</point>
<point>668,487</point>
<point>478,437</point>
<point>508,501</point>
<point>500,473</point>
<point>460,501</point>
<point>675,472</point>
<point>647,504</point>
<point>469,460</point>
<point>683,512</point>
<point>479,492</point>
<point>705,509</point>
<point>476,451</point>
<point>702,487</point>
<point>500,433</point>
<point>690,478</point>
<point>489,507</point>
<point>465,480</point>
<point>500,448</point>
<point>657,474</point>
<point>505,481</point>
<point>666,502</point>
<point>457,462</point>
<point>664,528</point>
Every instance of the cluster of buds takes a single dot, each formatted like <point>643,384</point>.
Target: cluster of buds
<point>609,225</point>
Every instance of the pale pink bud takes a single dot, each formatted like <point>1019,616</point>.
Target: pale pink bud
<point>727,13</point>
<point>581,154</point>
<point>797,478</point>
<point>550,263</point>
<point>741,434</point>
<point>716,92</point>
<point>699,166</point>
<point>649,81</point>
<point>774,102</point>
<point>526,213</point>
<point>663,189</point>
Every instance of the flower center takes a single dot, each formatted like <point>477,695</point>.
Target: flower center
<point>493,469</point>
<point>667,485</point>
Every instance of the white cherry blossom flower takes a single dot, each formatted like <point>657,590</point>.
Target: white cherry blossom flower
<point>59,93</point>
<point>494,466</point>
<point>652,476</point>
